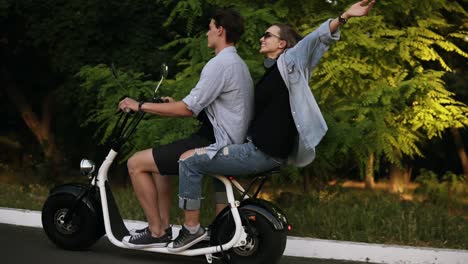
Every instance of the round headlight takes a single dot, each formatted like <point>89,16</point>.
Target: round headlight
<point>87,166</point>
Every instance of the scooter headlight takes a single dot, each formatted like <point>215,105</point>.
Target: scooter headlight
<point>87,166</point>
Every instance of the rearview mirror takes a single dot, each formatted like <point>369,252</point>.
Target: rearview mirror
<point>164,72</point>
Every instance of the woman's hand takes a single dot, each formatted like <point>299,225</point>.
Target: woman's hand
<point>361,8</point>
<point>358,9</point>
<point>128,104</point>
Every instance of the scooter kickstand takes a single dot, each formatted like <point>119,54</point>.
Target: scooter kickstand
<point>209,258</point>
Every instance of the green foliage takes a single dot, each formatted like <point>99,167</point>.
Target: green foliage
<point>106,91</point>
<point>380,89</point>
<point>83,32</point>
<point>449,189</point>
<point>4,5</point>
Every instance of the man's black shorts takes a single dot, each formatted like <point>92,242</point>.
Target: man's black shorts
<point>167,156</point>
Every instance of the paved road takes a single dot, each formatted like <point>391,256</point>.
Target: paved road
<point>20,245</point>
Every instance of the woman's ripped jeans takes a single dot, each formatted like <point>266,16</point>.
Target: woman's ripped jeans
<point>238,159</point>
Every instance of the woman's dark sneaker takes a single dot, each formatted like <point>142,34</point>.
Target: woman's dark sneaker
<point>135,232</point>
<point>145,239</point>
<point>185,240</point>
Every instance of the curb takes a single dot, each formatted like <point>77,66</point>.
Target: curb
<point>305,247</point>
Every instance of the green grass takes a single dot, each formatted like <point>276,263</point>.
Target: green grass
<point>30,196</point>
<point>379,217</point>
<point>336,213</point>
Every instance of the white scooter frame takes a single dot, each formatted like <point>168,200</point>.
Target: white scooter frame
<point>238,239</point>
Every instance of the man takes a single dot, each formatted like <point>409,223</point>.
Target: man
<point>287,124</point>
<point>222,100</point>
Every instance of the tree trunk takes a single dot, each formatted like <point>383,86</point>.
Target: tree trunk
<point>369,178</point>
<point>399,178</point>
<point>39,127</point>
<point>461,151</point>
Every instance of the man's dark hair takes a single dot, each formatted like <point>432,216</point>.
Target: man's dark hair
<point>289,34</point>
<point>231,21</point>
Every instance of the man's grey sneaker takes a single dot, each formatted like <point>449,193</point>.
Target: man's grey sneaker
<point>135,232</point>
<point>185,240</point>
<point>145,239</point>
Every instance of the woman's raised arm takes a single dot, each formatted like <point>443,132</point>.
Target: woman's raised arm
<point>361,8</point>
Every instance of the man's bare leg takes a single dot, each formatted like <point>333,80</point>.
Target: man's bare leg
<point>163,186</point>
<point>141,166</point>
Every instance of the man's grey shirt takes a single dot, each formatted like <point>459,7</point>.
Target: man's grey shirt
<point>225,91</point>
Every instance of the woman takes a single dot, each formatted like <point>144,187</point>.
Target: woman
<point>287,124</point>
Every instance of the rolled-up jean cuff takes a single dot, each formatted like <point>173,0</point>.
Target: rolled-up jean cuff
<point>189,204</point>
<point>221,198</point>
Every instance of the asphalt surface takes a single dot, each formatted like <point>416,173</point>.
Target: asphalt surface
<point>19,244</point>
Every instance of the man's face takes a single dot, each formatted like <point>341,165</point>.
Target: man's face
<point>213,35</point>
<point>270,42</point>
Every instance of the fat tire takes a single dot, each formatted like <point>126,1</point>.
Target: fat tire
<point>88,228</point>
<point>271,242</point>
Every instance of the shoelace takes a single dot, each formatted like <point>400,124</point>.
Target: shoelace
<point>138,236</point>
<point>183,233</point>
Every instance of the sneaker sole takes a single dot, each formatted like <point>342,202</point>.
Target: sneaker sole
<point>135,246</point>
<point>134,233</point>
<point>131,233</point>
<point>198,239</point>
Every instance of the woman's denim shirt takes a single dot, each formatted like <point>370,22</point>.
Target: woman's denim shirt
<point>296,65</point>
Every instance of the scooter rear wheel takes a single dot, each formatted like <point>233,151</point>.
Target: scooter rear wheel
<point>81,232</point>
<point>264,243</point>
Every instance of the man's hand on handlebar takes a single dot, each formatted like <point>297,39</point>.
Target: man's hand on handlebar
<point>128,104</point>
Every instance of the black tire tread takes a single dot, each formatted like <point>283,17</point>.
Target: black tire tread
<point>89,230</point>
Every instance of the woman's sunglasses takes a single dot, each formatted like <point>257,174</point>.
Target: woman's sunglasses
<point>268,35</point>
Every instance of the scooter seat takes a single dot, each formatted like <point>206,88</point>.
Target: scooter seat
<point>267,173</point>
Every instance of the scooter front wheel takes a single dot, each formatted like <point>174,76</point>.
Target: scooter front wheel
<point>82,231</point>
<point>264,243</point>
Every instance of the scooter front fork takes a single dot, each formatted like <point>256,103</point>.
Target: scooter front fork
<point>71,210</point>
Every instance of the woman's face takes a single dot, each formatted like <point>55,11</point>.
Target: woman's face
<point>271,45</point>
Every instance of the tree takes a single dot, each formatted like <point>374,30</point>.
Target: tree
<point>45,43</point>
<point>382,82</point>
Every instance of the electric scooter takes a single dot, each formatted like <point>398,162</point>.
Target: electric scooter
<point>248,230</point>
